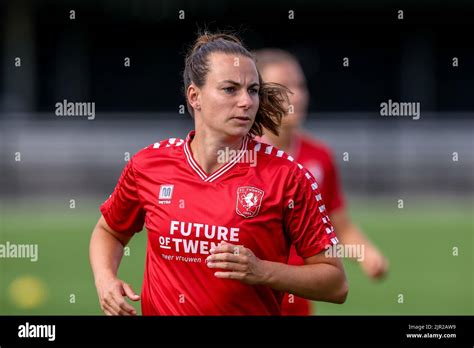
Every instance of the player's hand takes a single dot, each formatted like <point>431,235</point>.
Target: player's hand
<point>112,293</point>
<point>237,262</point>
<point>375,265</point>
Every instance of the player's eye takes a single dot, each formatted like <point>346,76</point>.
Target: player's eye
<point>229,90</point>
<point>253,91</point>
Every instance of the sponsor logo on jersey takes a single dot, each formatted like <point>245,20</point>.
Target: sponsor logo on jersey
<point>166,193</point>
<point>249,200</point>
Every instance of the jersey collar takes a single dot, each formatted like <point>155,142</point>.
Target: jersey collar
<point>219,172</point>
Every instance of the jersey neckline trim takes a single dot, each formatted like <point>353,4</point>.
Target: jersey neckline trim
<point>219,172</point>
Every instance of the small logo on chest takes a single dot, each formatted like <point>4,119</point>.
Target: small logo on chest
<point>166,193</point>
<point>249,200</point>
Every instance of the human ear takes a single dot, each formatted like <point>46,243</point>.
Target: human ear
<point>193,93</point>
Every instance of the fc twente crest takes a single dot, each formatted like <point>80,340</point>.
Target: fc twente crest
<point>249,200</point>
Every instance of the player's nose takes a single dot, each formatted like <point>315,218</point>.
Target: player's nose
<point>245,101</point>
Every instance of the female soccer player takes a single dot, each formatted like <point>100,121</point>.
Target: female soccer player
<point>219,232</point>
<point>281,67</point>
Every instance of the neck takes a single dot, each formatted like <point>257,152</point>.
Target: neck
<point>284,141</point>
<point>207,145</point>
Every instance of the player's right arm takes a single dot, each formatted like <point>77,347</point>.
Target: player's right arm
<point>105,252</point>
<point>122,216</point>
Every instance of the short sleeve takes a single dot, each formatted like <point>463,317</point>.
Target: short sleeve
<point>334,188</point>
<point>123,210</point>
<point>305,216</point>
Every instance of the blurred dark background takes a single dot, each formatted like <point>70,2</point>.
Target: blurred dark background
<point>83,58</point>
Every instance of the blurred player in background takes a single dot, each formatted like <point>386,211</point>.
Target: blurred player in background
<point>219,231</point>
<point>281,67</point>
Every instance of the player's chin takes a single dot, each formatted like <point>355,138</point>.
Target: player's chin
<point>239,130</point>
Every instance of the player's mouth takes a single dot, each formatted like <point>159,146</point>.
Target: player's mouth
<point>243,119</point>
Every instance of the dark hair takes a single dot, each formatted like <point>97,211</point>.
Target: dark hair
<point>273,96</point>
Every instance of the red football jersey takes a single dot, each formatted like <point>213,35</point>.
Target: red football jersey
<point>316,157</point>
<point>261,199</point>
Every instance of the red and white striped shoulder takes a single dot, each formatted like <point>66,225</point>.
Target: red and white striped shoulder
<point>270,150</point>
<point>171,142</point>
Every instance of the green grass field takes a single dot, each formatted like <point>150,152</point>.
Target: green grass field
<point>418,241</point>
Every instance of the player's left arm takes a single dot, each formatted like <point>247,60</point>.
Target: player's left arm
<point>322,278</point>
